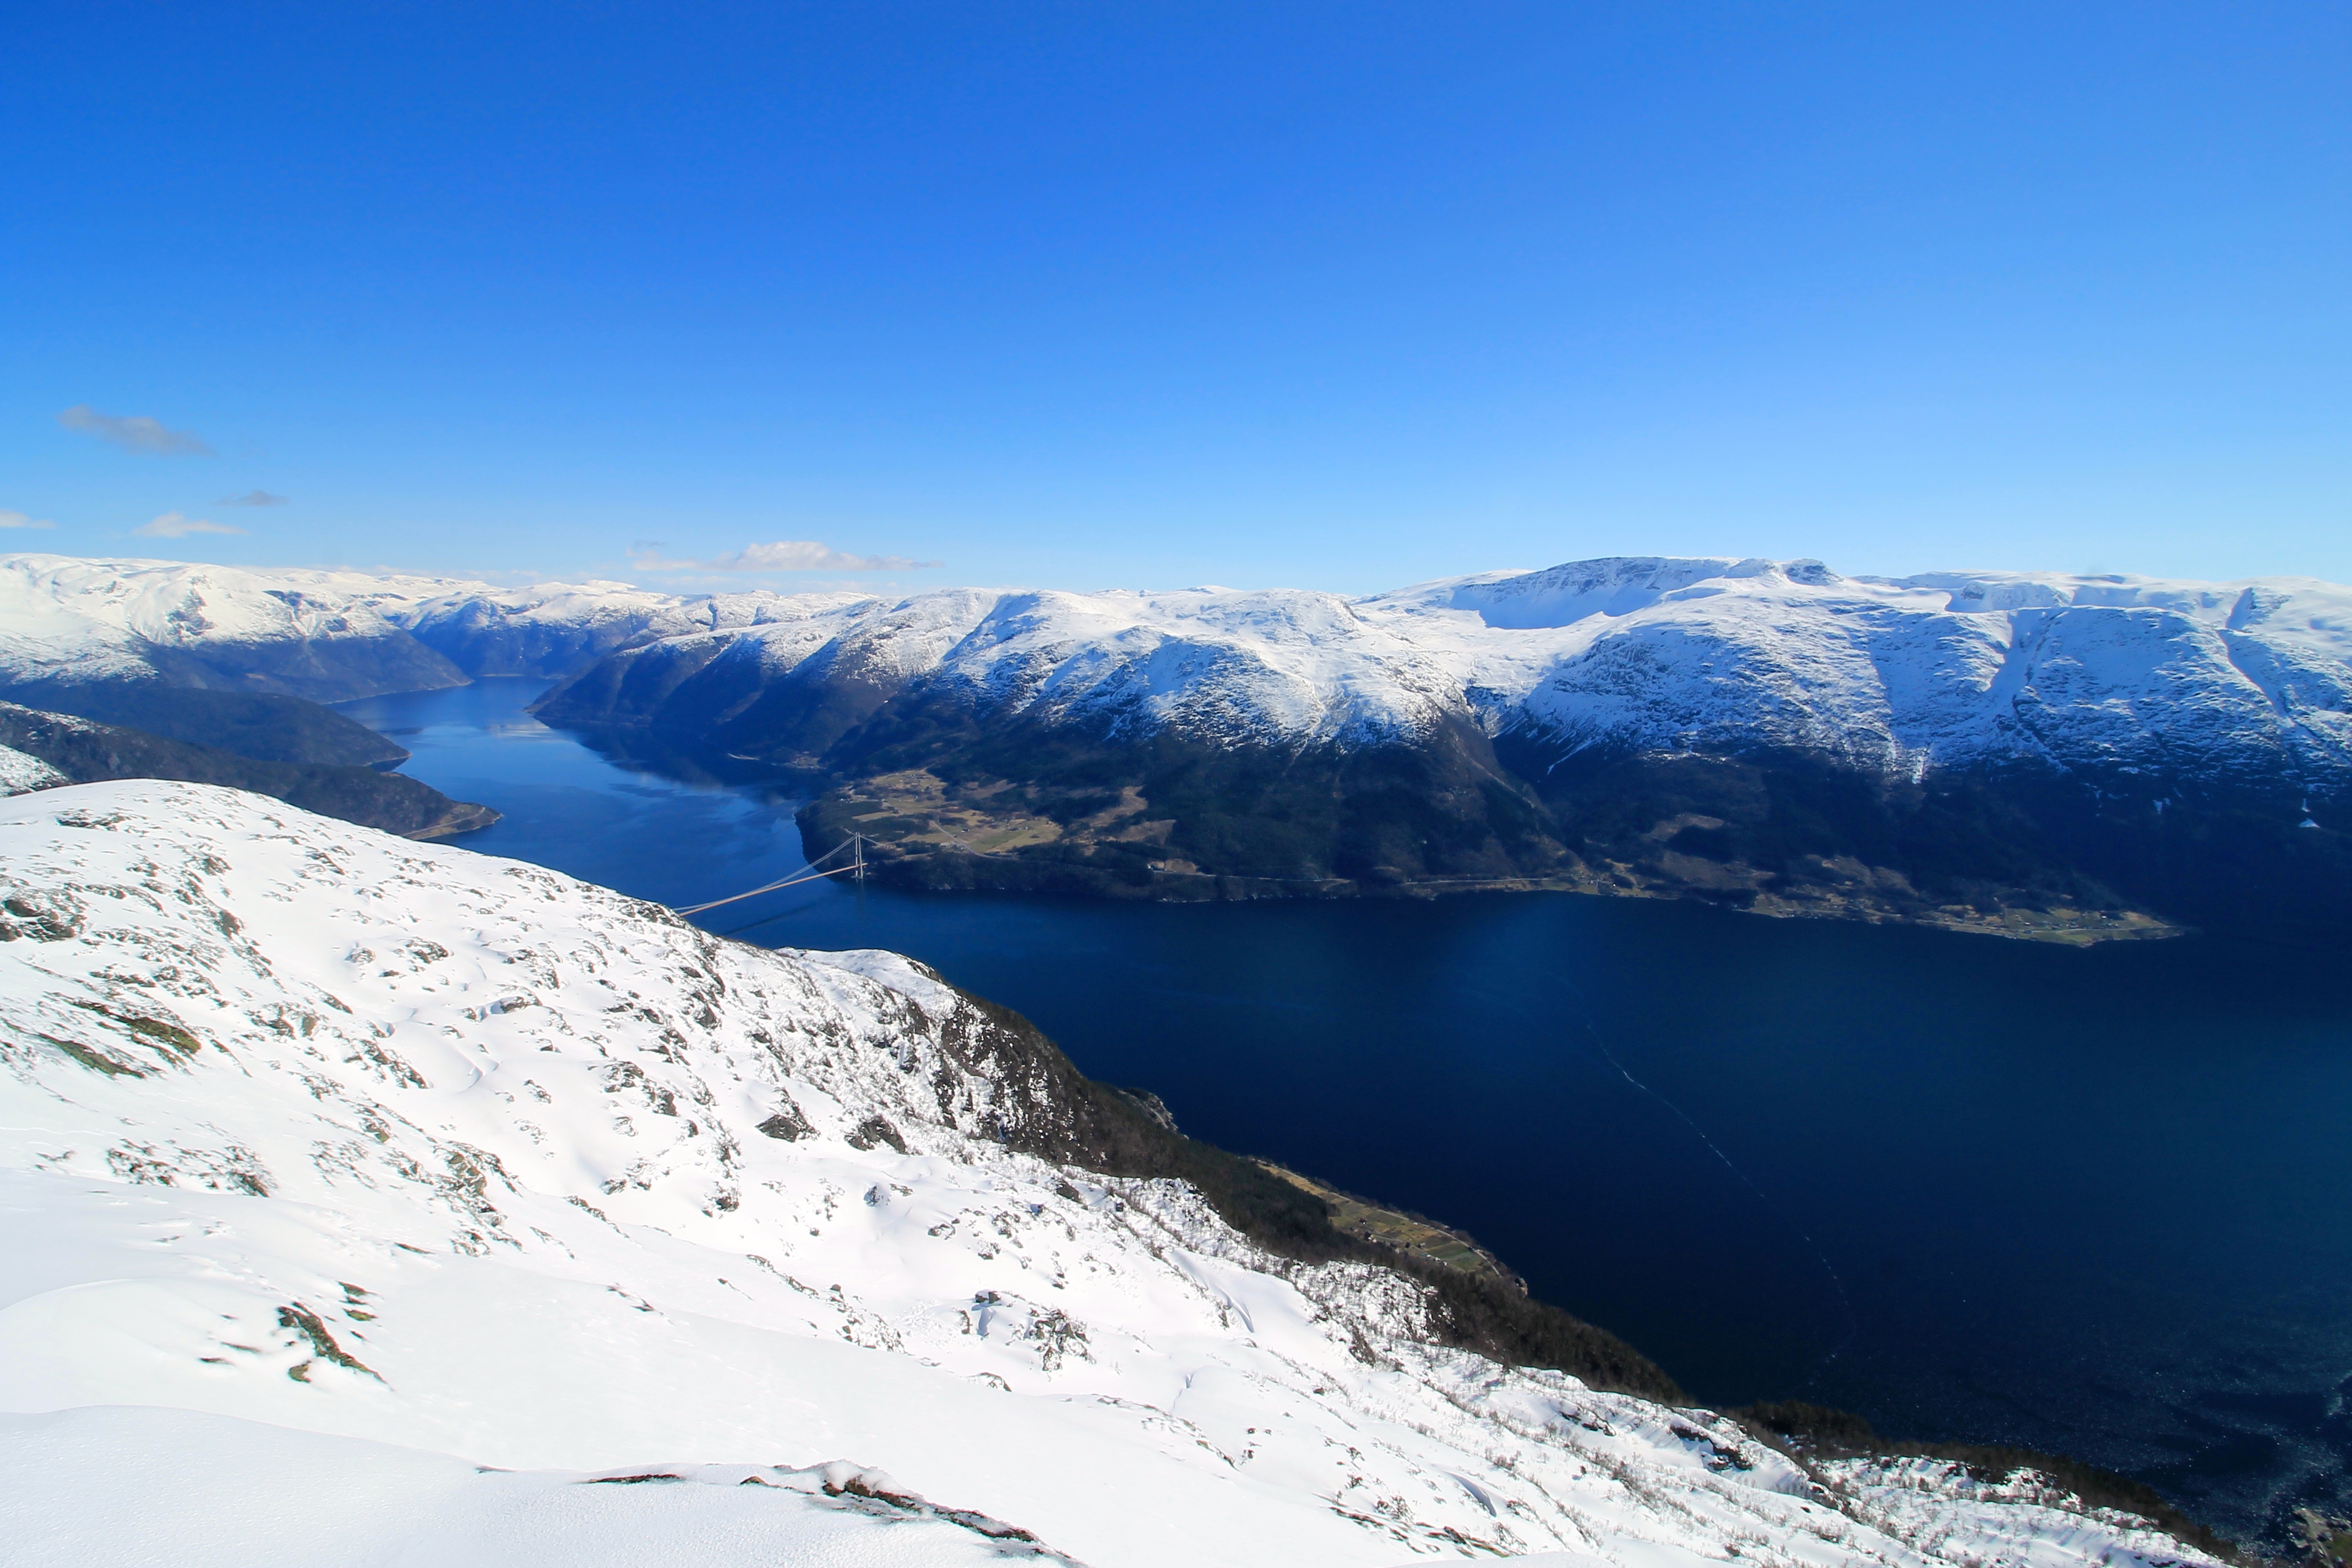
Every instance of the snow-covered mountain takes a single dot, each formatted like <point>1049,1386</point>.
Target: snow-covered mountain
<point>1648,653</point>
<point>1644,653</point>
<point>577,1235</point>
<point>70,623</point>
<point>558,629</point>
<point>324,635</point>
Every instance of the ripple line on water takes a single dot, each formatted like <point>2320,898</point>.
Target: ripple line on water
<point>1591,1029</point>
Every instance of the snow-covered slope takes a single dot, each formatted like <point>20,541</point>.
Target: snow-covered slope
<point>331,635</point>
<point>1942,668</point>
<point>324,635</point>
<point>558,629</point>
<point>70,622</point>
<point>1648,654</point>
<point>310,1130</point>
<point>21,773</point>
<point>131,1487</point>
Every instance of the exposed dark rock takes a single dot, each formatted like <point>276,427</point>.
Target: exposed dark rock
<point>311,1327</point>
<point>788,1123</point>
<point>873,1130</point>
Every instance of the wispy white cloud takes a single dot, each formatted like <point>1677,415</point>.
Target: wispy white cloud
<point>845,585</point>
<point>18,520</point>
<point>783,555</point>
<point>172,525</point>
<point>252,498</point>
<point>134,432</point>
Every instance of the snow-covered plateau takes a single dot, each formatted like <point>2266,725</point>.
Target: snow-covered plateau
<point>375,1202</point>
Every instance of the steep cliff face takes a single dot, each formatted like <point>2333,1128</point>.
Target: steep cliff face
<point>313,1130</point>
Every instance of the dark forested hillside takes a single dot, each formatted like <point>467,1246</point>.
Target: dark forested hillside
<point>266,725</point>
<point>85,751</point>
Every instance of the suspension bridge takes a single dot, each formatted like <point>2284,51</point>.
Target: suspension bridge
<point>853,869</point>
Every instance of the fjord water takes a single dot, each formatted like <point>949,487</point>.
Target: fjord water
<point>2093,1201</point>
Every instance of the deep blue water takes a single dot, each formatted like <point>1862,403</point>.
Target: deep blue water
<point>2088,1201</point>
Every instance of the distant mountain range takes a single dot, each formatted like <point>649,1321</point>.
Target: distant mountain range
<point>2074,757</point>
<point>326,636</point>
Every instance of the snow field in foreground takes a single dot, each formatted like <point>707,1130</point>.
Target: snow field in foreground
<point>134,1486</point>
<point>309,1129</point>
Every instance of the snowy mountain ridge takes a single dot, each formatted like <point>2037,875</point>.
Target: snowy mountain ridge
<point>320,633</point>
<point>308,634</point>
<point>1648,654</point>
<point>312,1129</point>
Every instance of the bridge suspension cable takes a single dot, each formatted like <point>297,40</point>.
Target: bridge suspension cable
<point>856,846</point>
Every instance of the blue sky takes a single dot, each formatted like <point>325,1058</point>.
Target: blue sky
<point>1129,294</point>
